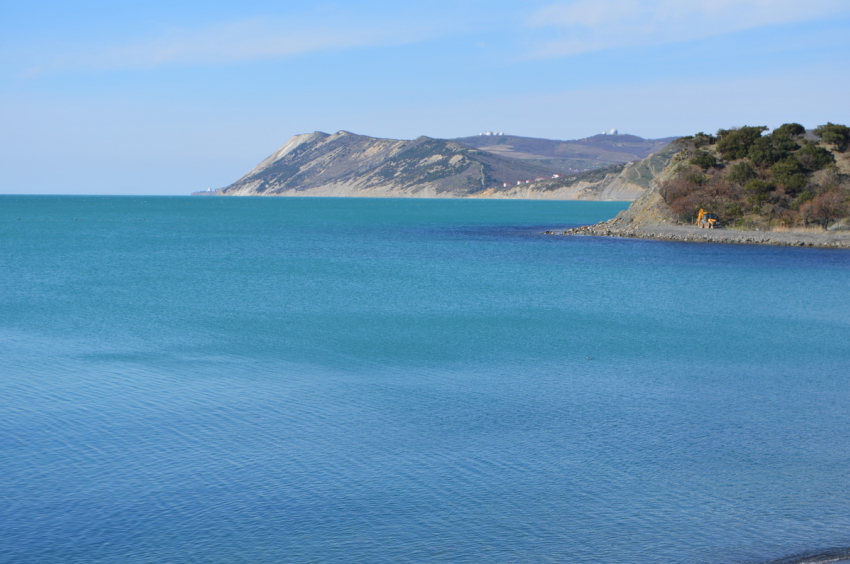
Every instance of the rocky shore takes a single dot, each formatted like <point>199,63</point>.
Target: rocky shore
<point>691,234</point>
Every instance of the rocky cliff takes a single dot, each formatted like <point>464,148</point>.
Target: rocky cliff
<point>346,164</point>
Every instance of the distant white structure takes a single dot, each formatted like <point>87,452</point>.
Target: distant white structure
<point>612,132</point>
<point>488,133</point>
<point>556,176</point>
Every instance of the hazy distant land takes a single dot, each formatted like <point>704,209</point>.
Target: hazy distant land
<point>484,166</point>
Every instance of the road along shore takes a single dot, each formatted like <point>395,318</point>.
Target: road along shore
<point>691,234</point>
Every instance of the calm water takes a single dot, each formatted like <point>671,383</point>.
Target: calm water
<point>324,380</point>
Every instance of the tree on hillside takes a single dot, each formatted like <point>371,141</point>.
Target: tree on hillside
<point>772,148</point>
<point>838,135</point>
<point>741,173</point>
<point>790,174</point>
<point>824,208</point>
<point>758,191</point>
<point>805,196</point>
<point>790,130</point>
<point>784,143</point>
<point>735,144</point>
<point>814,158</point>
<point>704,160</point>
<point>763,152</point>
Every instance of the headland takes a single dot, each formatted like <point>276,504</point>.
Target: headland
<point>343,164</point>
<point>790,187</point>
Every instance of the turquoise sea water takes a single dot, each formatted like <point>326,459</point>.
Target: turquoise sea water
<point>224,380</point>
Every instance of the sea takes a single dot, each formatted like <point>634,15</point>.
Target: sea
<point>318,380</point>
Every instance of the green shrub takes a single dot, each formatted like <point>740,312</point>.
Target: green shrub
<point>735,144</point>
<point>704,160</point>
<point>790,130</point>
<point>732,211</point>
<point>786,167</point>
<point>813,158</point>
<point>784,143</point>
<point>790,174</point>
<point>741,173</point>
<point>760,186</point>
<point>763,151</point>
<point>804,197</point>
<point>838,135</point>
<point>758,192</point>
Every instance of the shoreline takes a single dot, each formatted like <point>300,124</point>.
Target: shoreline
<point>692,234</point>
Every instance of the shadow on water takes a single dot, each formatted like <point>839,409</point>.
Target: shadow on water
<point>818,557</point>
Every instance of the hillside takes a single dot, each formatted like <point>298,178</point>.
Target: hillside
<point>569,156</point>
<point>782,187</point>
<point>346,164</point>
<point>754,180</point>
<point>624,182</point>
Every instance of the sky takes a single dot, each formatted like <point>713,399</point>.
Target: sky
<point>171,97</point>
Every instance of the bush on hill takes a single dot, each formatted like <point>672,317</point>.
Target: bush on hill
<point>789,173</point>
<point>741,173</point>
<point>735,144</point>
<point>790,130</point>
<point>838,135</point>
<point>764,152</point>
<point>814,158</point>
<point>704,160</point>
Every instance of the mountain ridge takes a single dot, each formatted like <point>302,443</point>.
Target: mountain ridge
<point>348,164</point>
<point>574,155</point>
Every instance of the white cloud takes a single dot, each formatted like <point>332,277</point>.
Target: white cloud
<point>222,44</point>
<point>592,25</point>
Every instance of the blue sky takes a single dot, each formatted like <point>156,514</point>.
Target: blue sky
<point>163,97</point>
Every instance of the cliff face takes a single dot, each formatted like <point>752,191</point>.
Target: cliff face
<point>649,207</point>
<point>345,164</point>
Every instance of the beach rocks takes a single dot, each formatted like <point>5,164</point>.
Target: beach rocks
<point>691,234</point>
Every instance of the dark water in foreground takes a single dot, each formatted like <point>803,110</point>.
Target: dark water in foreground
<point>319,380</point>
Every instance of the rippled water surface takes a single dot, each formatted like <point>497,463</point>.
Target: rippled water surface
<point>335,380</point>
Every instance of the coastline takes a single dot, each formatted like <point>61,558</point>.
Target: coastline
<point>693,234</point>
